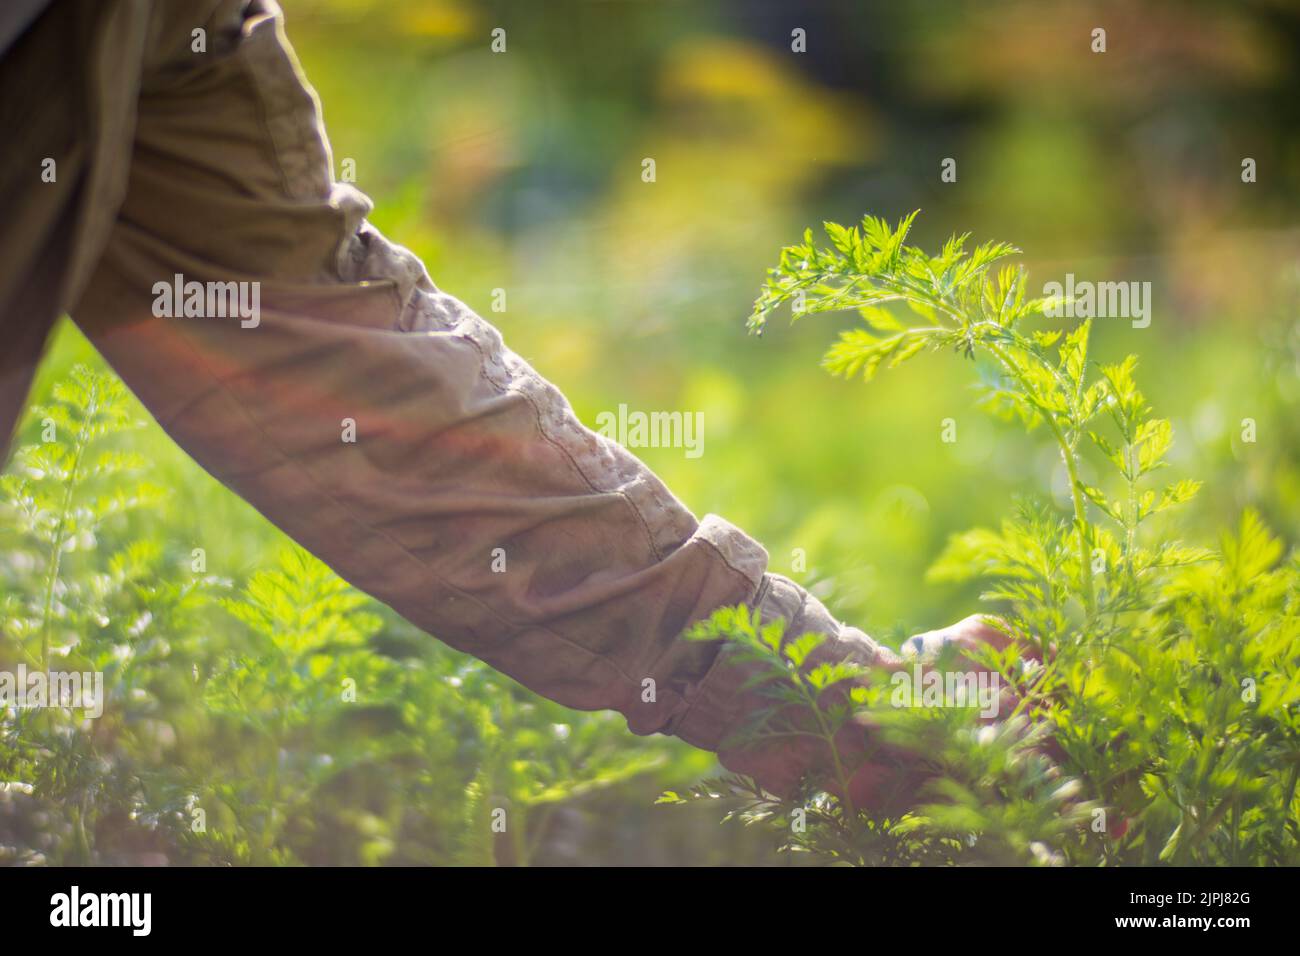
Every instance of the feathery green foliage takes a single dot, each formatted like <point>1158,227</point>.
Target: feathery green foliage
<point>1172,671</point>
<point>286,720</point>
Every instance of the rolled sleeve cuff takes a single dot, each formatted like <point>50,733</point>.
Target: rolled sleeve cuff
<point>718,703</point>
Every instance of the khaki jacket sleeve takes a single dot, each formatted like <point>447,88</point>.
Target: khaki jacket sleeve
<point>469,498</point>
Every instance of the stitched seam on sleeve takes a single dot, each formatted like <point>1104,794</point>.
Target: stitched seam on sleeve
<point>522,383</point>
<point>725,560</point>
<point>559,446</point>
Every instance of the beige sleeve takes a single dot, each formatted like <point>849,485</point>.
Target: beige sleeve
<point>472,500</point>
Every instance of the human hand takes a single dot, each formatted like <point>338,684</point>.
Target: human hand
<point>882,777</point>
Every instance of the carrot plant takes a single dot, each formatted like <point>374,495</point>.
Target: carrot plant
<point>282,719</point>
<point>1169,672</point>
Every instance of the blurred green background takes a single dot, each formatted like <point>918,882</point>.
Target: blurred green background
<point>522,171</point>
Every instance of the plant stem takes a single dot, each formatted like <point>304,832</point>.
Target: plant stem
<point>1072,470</point>
<point>56,546</point>
<point>845,796</point>
<point>1289,798</point>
